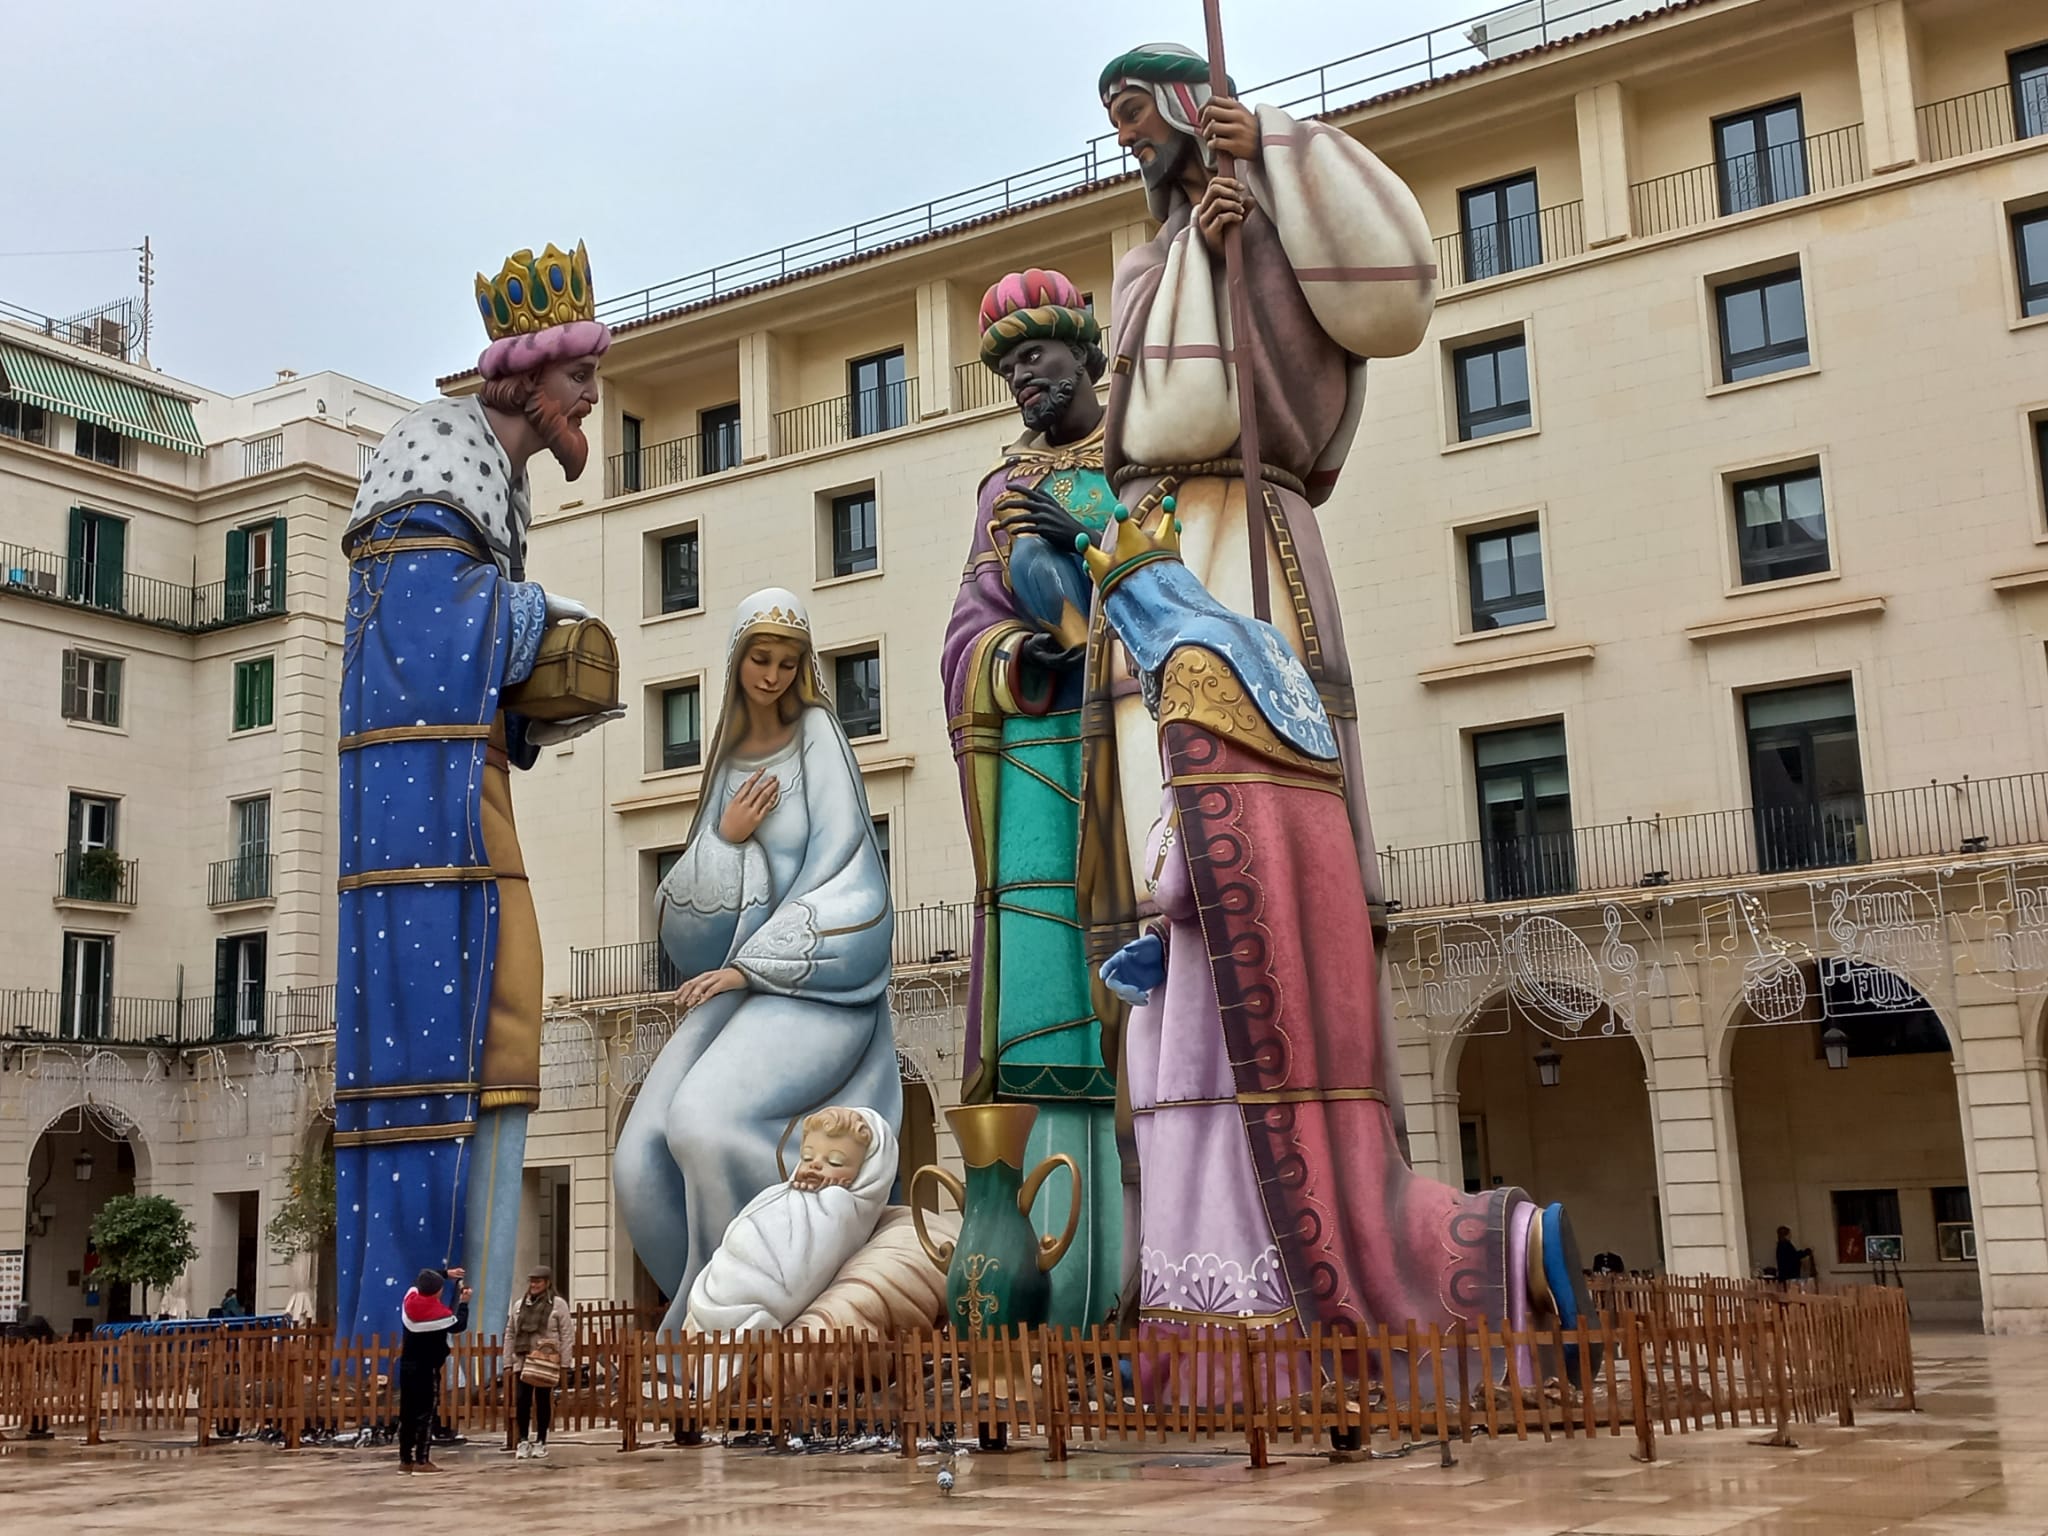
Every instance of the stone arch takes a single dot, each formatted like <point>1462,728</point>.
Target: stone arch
<point>107,1147</point>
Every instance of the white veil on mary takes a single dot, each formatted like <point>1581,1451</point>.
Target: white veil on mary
<point>773,611</point>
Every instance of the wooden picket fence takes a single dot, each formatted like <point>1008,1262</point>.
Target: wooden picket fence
<point>1661,1357</point>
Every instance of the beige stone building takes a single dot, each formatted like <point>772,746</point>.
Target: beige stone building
<point>171,597</point>
<point>1694,569</point>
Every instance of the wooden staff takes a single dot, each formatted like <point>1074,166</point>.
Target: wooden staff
<point>1255,519</point>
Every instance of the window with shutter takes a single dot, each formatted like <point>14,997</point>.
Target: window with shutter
<point>254,692</point>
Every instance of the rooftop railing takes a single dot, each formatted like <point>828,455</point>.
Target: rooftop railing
<point>1825,162</point>
<point>1970,816</point>
<point>1409,61</point>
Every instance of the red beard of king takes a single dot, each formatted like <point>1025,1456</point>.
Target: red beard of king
<point>563,437</point>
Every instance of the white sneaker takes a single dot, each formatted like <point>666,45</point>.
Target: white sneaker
<point>525,1450</point>
<point>540,1450</point>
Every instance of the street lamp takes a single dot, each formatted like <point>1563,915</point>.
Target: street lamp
<point>81,1167</point>
<point>1836,1044</point>
<point>1549,1065</point>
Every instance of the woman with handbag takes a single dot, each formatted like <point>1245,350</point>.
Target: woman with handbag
<point>538,1345</point>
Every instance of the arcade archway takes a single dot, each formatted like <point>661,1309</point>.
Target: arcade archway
<point>82,1160</point>
<point>1584,1139</point>
<point>1862,1157</point>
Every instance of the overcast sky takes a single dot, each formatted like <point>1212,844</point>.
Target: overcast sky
<point>320,183</point>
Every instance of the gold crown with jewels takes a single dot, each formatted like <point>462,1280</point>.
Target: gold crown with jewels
<point>535,293</point>
<point>1133,547</point>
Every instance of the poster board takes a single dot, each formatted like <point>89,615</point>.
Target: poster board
<point>13,1272</point>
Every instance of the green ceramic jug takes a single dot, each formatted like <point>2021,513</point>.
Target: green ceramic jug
<point>995,1273</point>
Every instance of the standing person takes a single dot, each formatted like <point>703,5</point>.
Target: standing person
<point>1790,1257</point>
<point>1338,267</point>
<point>438,1022</point>
<point>1013,670</point>
<point>429,1323</point>
<point>778,913</point>
<point>539,1344</point>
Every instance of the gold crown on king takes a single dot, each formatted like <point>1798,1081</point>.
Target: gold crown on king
<point>534,293</point>
<point>1133,546</point>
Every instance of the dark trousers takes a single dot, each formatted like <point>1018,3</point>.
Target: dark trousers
<point>536,1405</point>
<point>418,1388</point>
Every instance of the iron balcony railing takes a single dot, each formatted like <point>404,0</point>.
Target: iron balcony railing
<point>937,933</point>
<point>1986,119</point>
<point>1494,250</point>
<point>261,455</point>
<point>246,877</point>
<point>1970,816</point>
<point>1826,162</point>
<point>84,583</point>
<point>976,385</point>
<point>1324,88</point>
<point>669,463</point>
<point>246,1014</point>
<point>864,413</point>
<point>96,874</point>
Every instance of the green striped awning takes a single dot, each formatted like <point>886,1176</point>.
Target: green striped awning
<point>55,384</point>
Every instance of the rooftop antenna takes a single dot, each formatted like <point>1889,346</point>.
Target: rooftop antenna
<point>146,270</point>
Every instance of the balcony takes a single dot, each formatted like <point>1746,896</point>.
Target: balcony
<point>1825,162</point>
<point>247,878</point>
<point>167,1022</point>
<point>1986,119</point>
<point>976,385</point>
<point>865,413</point>
<point>191,610</point>
<point>1494,250</point>
<point>1931,821</point>
<point>934,934</point>
<point>96,877</point>
<point>670,463</point>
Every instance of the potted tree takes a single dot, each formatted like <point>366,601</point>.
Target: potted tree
<point>98,875</point>
<point>303,1222</point>
<point>143,1240</point>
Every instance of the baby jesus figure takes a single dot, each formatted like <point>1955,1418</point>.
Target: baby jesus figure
<point>789,1241</point>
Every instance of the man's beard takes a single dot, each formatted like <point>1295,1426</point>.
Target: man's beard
<point>1163,169</point>
<point>564,439</point>
<point>1050,407</point>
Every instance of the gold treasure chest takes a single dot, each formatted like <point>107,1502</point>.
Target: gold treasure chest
<point>576,672</point>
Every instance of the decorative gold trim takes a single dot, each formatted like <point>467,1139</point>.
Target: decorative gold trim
<point>501,1098</point>
<point>1284,780</point>
<point>433,876</point>
<point>402,544</point>
<point>1204,469</point>
<point>1231,1319</point>
<point>389,733</point>
<point>402,1091</point>
<point>992,1133</point>
<point>383,1136</point>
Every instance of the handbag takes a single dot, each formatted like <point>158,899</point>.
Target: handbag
<point>542,1368</point>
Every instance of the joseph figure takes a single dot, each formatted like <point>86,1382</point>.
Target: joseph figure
<point>1339,269</point>
<point>1013,668</point>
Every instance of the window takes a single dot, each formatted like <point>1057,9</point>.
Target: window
<point>255,569</point>
<point>254,688</point>
<point>95,563</point>
<point>1504,570</point>
<point>1760,156</point>
<point>1763,326</point>
<point>88,996</point>
<point>100,444</point>
<point>1860,1215</point>
<point>855,545</point>
<point>90,829</point>
<point>682,727</point>
<point>857,691</point>
<point>2029,69</point>
<point>1805,776</point>
<point>26,422</point>
<point>679,572</point>
<point>2030,250</point>
<point>881,826</point>
<point>1781,527</point>
<point>248,873</point>
<point>1493,388</point>
<point>92,688</point>
<point>880,395</point>
<point>1525,812</point>
<point>718,432</point>
<point>1499,227</point>
<point>1472,1154</point>
<point>2041,457</point>
<point>240,961</point>
<point>1955,1229</point>
<point>629,454</point>
<point>664,862</point>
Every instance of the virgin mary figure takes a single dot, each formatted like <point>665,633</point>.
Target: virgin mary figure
<point>778,915</point>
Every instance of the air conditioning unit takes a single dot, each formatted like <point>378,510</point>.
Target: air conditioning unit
<point>44,582</point>
<point>110,336</point>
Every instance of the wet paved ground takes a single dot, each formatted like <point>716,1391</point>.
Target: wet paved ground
<point>1974,1460</point>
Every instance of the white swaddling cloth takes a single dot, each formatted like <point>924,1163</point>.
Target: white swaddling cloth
<point>786,1244</point>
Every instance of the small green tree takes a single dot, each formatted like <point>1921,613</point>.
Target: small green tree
<point>144,1240</point>
<point>306,1217</point>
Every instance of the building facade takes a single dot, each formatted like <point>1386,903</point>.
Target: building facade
<point>171,597</point>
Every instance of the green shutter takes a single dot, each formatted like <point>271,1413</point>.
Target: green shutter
<point>238,575</point>
<point>267,682</point>
<point>110,564</point>
<point>74,556</point>
<point>223,988</point>
<point>241,696</point>
<point>114,665</point>
<point>277,535</point>
<point>70,983</point>
<point>67,691</point>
